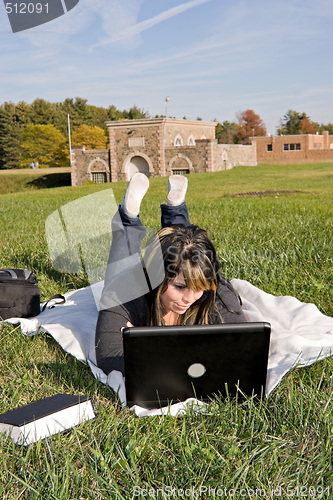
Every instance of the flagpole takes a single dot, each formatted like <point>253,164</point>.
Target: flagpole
<point>69,141</point>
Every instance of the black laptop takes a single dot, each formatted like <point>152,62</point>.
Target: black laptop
<point>168,364</point>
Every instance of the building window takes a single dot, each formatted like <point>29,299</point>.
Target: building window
<point>178,140</point>
<point>181,171</point>
<point>98,177</point>
<point>191,141</point>
<point>269,147</point>
<point>292,147</point>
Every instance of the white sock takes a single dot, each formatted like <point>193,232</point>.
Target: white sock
<point>177,189</point>
<point>136,189</point>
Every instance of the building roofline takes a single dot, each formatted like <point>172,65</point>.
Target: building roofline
<point>158,121</point>
<point>291,135</point>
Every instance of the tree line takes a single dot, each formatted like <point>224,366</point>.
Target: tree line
<point>250,124</point>
<point>38,132</point>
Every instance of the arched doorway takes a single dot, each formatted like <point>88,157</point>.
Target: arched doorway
<point>180,164</point>
<point>225,161</point>
<point>98,171</point>
<point>137,164</point>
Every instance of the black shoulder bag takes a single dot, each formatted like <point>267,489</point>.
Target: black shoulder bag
<point>19,294</point>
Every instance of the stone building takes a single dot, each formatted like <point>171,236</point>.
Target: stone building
<point>158,147</point>
<point>305,148</point>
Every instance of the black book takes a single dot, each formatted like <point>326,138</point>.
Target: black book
<point>43,418</point>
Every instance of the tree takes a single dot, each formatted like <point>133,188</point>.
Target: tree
<point>43,112</point>
<point>10,136</point>
<point>250,125</point>
<point>61,120</point>
<point>23,113</point>
<point>78,110</point>
<point>134,113</point>
<point>99,117</point>
<point>328,127</point>
<point>307,127</point>
<point>90,137</point>
<point>227,132</point>
<point>114,114</point>
<point>15,117</point>
<point>43,144</point>
<point>295,123</point>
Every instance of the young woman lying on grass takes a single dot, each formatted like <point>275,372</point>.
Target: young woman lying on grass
<point>177,282</point>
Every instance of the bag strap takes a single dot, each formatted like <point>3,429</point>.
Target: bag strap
<point>57,297</point>
<point>11,273</point>
<point>16,274</point>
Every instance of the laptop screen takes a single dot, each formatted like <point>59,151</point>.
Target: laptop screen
<point>168,364</point>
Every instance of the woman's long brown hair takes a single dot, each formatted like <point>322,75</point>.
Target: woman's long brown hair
<point>185,250</point>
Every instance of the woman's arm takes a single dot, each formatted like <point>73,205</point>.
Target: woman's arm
<point>108,339</point>
<point>228,303</point>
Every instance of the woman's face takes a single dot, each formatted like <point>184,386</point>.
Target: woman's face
<point>177,298</point>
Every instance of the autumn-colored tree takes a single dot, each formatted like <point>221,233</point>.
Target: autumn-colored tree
<point>307,127</point>
<point>14,118</point>
<point>295,123</point>
<point>250,125</point>
<point>90,137</point>
<point>43,144</point>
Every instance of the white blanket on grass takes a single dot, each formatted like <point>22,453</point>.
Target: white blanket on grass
<point>300,335</point>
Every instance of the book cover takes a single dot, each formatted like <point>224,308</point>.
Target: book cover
<point>43,418</point>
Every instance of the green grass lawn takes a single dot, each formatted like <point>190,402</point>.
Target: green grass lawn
<point>272,225</point>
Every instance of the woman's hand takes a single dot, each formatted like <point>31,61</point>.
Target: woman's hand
<point>128,324</point>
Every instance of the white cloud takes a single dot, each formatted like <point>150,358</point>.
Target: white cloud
<point>138,28</point>
<point>91,19</point>
<point>266,55</point>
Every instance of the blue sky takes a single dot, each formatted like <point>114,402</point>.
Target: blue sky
<point>213,58</point>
